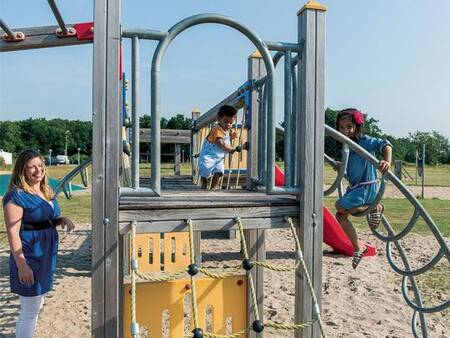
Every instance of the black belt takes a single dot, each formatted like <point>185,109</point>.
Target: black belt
<point>32,226</point>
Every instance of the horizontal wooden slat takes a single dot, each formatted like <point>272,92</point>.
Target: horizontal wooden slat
<point>207,225</point>
<point>208,213</point>
<point>178,136</point>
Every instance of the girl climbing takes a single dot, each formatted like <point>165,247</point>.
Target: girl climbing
<point>362,176</point>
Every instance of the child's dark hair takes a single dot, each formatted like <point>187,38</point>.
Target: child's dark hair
<point>356,117</point>
<point>227,110</point>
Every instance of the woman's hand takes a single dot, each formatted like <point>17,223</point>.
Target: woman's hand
<point>65,222</point>
<point>25,274</point>
<point>384,166</point>
<point>233,134</point>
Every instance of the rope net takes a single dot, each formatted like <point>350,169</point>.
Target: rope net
<point>193,269</point>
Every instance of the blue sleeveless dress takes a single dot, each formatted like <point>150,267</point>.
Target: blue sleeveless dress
<point>40,247</point>
<point>362,175</point>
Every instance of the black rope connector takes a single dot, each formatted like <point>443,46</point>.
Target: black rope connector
<point>247,264</point>
<point>198,333</point>
<point>258,326</point>
<point>192,269</point>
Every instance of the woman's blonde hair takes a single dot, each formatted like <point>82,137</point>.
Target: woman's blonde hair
<point>18,180</point>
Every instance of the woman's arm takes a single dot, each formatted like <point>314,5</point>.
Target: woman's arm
<point>65,222</point>
<point>13,218</point>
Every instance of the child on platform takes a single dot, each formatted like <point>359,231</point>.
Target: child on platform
<point>216,146</point>
<point>362,176</point>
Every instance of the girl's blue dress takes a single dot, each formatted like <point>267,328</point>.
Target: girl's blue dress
<point>40,247</point>
<point>361,173</point>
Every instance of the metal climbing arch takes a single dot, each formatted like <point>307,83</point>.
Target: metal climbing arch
<point>393,239</point>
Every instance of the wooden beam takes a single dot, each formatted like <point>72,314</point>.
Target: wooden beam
<point>107,272</point>
<point>208,213</point>
<point>256,70</point>
<point>173,136</point>
<point>177,170</point>
<point>98,169</point>
<point>310,110</point>
<point>212,224</point>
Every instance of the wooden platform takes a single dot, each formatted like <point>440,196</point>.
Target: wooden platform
<point>209,210</point>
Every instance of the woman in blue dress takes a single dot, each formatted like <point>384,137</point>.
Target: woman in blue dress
<point>31,214</point>
<point>362,176</point>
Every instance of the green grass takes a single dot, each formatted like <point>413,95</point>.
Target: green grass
<point>399,212</point>
<point>434,175</point>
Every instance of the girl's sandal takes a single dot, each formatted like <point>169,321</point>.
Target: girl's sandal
<point>375,217</point>
<point>358,255</point>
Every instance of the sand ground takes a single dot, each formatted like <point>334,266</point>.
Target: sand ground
<point>366,302</point>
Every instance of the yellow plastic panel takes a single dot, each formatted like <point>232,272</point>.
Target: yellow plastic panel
<point>148,252</point>
<point>226,297</point>
<point>176,251</point>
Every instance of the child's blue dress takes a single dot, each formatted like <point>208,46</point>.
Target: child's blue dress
<point>212,157</point>
<point>362,175</point>
<point>40,247</point>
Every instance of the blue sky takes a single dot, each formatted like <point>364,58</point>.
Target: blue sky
<point>389,58</point>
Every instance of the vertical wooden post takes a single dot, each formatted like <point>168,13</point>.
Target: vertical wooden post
<point>177,159</point>
<point>255,238</point>
<point>310,104</point>
<point>106,274</point>
<point>195,142</point>
<point>195,147</point>
<point>256,70</point>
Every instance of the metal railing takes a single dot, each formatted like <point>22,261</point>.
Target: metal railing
<point>64,182</point>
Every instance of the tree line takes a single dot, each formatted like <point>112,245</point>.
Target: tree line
<point>43,134</point>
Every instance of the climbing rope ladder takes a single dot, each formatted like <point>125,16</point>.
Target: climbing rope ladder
<point>392,238</point>
<point>193,269</point>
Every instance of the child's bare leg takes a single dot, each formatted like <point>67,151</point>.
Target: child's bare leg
<point>204,181</point>
<point>216,180</point>
<point>349,229</point>
<point>342,217</point>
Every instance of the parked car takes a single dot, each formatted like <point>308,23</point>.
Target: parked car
<point>62,159</point>
<point>59,159</point>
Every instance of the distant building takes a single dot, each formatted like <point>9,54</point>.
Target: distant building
<point>7,157</point>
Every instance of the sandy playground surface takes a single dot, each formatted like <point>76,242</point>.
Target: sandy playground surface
<point>366,302</point>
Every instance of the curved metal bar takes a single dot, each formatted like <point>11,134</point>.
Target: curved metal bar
<point>84,177</point>
<point>397,183</point>
<point>155,89</point>
<point>67,191</point>
<point>421,309</point>
<point>401,234</point>
<point>377,199</point>
<point>60,186</point>
<point>414,324</point>
<point>284,46</point>
<point>408,272</point>
<point>423,321</point>
<point>342,169</point>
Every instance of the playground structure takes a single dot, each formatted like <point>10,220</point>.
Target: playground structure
<point>157,205</point>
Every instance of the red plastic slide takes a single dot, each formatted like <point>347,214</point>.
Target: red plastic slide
<point>333,235</point>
